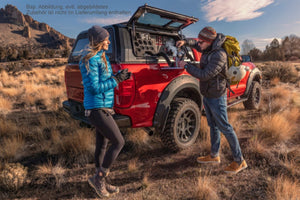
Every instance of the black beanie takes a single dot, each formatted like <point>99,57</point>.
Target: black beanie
<point>97,34</point>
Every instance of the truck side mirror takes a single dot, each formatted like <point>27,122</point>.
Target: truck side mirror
<point>246,58</point>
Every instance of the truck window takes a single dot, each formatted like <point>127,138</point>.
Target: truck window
<point>82,44</point>
<point>77,51</point>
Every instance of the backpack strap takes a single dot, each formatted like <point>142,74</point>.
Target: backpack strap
<point>227,84</point>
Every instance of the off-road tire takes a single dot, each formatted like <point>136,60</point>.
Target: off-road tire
<point>177,135</point>
<point>254,99</point>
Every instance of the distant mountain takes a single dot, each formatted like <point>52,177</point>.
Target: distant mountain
<point>19,30</point>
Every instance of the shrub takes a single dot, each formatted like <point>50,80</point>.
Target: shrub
<point>206,189</point>
<point>286,72</point>
<point>77,147</point>
<point>11,147</point>
<point>139,139</point>
<point>283,188</point>
<point>7,127</point>
<point>278,98</point>
<point>56,171</point>
<point>132,165</point>
<point>276,128</point>
<point>80,142</point>
<point>5,105</point>
<point>257,152</point>
<point>13,176</point>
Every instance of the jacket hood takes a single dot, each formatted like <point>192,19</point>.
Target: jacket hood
<point>220,39</point>
<point>217,43</point>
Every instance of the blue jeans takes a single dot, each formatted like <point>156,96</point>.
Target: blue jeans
<point>217,119</point>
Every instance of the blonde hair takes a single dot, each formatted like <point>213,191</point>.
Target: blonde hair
<point>92,50</point>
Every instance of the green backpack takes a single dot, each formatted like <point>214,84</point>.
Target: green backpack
<point>236,71</point>
<point>232,48</point>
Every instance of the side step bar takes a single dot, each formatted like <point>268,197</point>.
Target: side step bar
<point>236,102</point>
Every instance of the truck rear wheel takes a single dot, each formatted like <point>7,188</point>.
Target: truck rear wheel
<point>254,97</point>
<point>183,124</point>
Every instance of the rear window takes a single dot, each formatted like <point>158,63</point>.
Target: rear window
<point>176,24</point>
<point>152,19</point>
<point>80,45</point>
<point>83,43</point>
<point>156,20</point>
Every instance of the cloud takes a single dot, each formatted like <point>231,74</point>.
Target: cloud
<point>234,10</point>
<point>106,21</point>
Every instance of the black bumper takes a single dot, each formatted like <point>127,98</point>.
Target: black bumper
<point>76,111</point>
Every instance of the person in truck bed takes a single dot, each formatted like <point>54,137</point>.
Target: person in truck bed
<point>99,83</point>
<point>212,75</point>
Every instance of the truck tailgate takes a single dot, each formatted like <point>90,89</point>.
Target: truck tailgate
<point>73,82</point>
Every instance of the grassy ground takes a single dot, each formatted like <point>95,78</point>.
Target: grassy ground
<point>45,154</point>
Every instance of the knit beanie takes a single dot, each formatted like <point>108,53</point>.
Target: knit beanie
<point>97,34</point>
<point>207,34</point>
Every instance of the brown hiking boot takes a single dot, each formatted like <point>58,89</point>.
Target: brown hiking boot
<point>98,183</point>
<point>208,159</point>
<point>111,188</point>
<point>234,167</point>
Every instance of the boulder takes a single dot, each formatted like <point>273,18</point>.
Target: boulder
<point>27,32</point>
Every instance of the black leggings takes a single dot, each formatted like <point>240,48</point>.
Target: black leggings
<point>106,130</point>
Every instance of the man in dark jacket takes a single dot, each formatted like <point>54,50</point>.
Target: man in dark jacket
<point>212,75</point>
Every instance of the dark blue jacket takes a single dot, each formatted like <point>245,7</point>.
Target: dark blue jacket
<point>213,68</point>
<point>98,83</point>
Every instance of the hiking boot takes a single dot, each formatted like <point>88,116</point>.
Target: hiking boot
<point>111,188</point>
<point>235,167</point>
<point>98,183</point>
<point>208,159</point>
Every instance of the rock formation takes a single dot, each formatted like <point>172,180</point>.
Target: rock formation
<point>27,32</point>
<point>52,38</point>
<point>12,15</point>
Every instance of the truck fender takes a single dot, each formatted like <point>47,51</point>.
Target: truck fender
<point>183,86</point>
<point>255,75</point>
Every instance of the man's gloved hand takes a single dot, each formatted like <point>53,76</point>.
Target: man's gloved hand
<point>122,75</point>
<point>181,64</point>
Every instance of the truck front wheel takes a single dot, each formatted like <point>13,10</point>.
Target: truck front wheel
<point>183,124</point>
<point>254,99</point>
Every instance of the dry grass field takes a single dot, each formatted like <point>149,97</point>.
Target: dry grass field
<point>45,154</point>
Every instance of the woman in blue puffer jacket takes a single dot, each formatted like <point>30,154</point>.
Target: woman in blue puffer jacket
<point>99,83</point>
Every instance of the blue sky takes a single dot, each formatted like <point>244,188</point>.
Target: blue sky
<point>258,20</point>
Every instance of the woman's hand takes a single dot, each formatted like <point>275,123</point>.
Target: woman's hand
<point>122,75</point>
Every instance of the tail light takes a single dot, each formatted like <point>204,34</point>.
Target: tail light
<point>125,93</point>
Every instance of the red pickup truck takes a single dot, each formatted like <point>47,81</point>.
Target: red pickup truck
<point>159,96</point>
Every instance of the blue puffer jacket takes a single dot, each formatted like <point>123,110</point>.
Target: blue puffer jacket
<point>98,83</point>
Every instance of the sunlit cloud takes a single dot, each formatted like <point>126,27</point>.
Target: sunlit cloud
<point>106,21</point>
<point>234,10</point>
